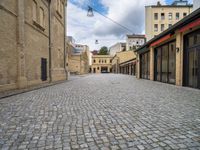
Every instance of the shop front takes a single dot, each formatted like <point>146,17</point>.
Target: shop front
<point>165,63</point>
<point>145,65</point>
<point>192,59</point>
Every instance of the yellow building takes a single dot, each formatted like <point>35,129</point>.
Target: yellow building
<point>101,64</point>
<point>77,59</point>
<point>32,43</point>
<point>160,17</point>
<point>174,55</point>
<point>124,62</point>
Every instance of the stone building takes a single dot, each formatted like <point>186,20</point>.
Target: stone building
<point>32,43</point>
<point>124,62</point>
<point>101,64</point>
<point>134,41</point>
<point>174,55</point>
<point>78,60</point>
<point>160,17</point>
<point>118,47</point>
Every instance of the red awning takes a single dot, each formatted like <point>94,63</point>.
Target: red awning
<point>161,40</point>
<point>190,25</point>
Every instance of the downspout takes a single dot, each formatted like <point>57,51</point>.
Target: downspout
<point>65,54</point>
<point>50,75</point>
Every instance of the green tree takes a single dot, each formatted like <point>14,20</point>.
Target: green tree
<point>103,51</point>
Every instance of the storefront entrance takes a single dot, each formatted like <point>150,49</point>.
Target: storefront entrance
<point>145,65</point>
<point>104,69</point>
<point>165,63</point>
<point>192,60</point>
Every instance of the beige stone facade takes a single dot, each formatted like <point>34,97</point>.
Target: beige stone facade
<point>174,56</point>
<point>101,64</point>
<point>160,17</point>
<point>78,63</point>
<point>124,62</point>
<point>134,41</point>
<point>32,43</point>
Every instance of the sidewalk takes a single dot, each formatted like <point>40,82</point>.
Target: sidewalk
<point>31,88</point>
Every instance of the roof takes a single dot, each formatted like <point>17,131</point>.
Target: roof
<point>191,17</point>
<point>102,56</point>
<point>127,61</point>
<point>135,36</point>
<point>157,6</point>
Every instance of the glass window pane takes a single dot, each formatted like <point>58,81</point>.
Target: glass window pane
<point>172,63</point>
<point>158,62</point>
<point>164,63</point>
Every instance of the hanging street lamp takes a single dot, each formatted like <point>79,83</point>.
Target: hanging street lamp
<point>90,12</point>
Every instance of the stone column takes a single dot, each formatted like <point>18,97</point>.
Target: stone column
<point>138,63</point>
<point>21,79</point>
<point>151,61</point>
<point>179,59</point>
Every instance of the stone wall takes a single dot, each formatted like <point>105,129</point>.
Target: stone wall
<point>8,42</point>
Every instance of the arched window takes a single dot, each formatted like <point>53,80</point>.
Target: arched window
<point>34,11</point>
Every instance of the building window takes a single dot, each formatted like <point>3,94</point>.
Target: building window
<point>184,14</point>
<point>177,16</point>
<point>99,61</point>
<point>170,25</point>
<point>165,60</point>
<point>41,16</point>
<point>61,8</point>
<point>170,16</point>
<point>162,27</point>
<point>97,68</point>
<point>155,27</point>
<point>155,16</point>
<point>34,11</point>
<point>94,61</point>
<point>58,5</point>
<point>105,61</point>
<point>162,16</point>
<point>110,61</point>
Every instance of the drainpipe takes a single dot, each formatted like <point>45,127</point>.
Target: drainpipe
<point>65,54</point>
<point>49,9</point>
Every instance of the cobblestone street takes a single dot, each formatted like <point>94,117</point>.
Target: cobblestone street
<point>102,112</point>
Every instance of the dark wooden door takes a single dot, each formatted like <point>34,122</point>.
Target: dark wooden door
<point>43,69</point>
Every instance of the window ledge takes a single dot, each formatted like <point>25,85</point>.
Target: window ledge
<point>38,25</point>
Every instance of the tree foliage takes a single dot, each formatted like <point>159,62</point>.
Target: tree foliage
<point>103,51</point>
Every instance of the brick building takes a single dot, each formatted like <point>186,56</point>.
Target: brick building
<point>32,43</point>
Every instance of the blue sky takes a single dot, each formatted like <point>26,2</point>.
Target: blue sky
<point>98,5</point>
<point>93,3</point>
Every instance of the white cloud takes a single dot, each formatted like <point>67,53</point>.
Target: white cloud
<point>86,30</point>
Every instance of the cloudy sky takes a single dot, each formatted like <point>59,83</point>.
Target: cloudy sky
<point>85,30</point>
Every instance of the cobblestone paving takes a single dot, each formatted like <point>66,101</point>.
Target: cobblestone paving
<point>102,112</point>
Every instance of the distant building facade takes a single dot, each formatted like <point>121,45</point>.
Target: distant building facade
<point>32,43</point>
<point>118,47</point>
<point>160,17</point>
<point>134,41</point>
<point>78,59</point>
<point>196,4</point>
<point>124,62</point>
<point>101,64</point>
